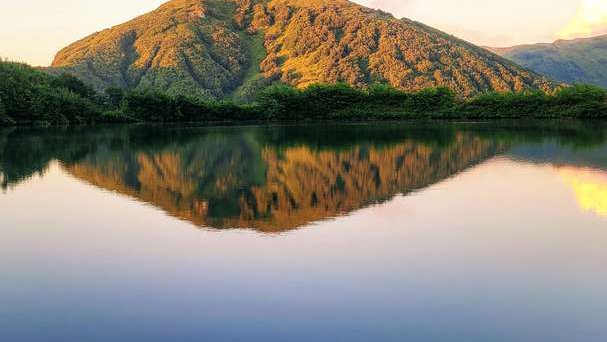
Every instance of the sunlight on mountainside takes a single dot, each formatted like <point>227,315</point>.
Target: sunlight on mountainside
<point>590,188</point>
<point>233,49</point>
<point>591,19</point>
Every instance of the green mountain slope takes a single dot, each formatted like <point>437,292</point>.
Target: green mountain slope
<point>232,48</point>
<point>569,61</point>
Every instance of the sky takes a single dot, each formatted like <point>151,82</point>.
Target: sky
<point>33,31</point>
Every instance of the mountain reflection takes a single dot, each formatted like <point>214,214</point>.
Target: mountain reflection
<point>234,182</point>
<point>271,179</point>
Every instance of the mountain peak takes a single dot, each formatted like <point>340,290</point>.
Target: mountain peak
<point>218,49</point>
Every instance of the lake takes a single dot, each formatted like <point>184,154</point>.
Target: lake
<point>378,232</point>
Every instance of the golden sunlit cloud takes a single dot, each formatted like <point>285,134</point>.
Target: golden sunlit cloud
<point>590,188</point>
<point>590,20</point>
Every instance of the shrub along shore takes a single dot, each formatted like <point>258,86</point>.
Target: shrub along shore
<point>29,96</point>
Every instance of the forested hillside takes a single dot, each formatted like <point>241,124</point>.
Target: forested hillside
<point>218,49</point>
<point>569,61</point>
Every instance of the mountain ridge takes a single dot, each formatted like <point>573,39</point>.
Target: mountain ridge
<point>230,49</point>
<point>582,60</point>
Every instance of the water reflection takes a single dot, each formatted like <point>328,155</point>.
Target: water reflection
<point>590,188</point>
<point>278,178</point>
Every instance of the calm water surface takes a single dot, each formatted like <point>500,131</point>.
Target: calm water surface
<point>404,232</point>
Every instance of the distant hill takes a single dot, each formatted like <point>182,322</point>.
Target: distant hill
<point>569,61</point>
<point>231,48</point>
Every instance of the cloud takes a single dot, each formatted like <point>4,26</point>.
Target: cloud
<point>590,20</point>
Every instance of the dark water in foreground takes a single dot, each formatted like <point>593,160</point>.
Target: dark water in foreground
<point>404,232</point>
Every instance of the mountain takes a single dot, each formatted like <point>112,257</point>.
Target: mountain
<point>570,61</point>
<point>231,48</point>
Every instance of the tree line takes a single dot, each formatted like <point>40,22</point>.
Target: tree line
<point>31,96</point>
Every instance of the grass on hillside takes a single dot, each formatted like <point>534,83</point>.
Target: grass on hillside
<point>252,79</point>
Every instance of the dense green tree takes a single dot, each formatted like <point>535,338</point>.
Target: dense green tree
<point>2,108</point>
<point>192,109</point>
<point>583,101</point>
<point>384,94</point>
<point>114,96</point>
<point>4,119</point>
<point>29,96</point>
<point>280,101</point>
<point>74,85</point>
<point>150,105</point>
<point>431,101</point>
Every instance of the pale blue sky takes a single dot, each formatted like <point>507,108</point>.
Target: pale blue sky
<point>34,30</point>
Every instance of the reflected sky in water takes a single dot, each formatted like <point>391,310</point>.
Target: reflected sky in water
<point>467,232</point>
